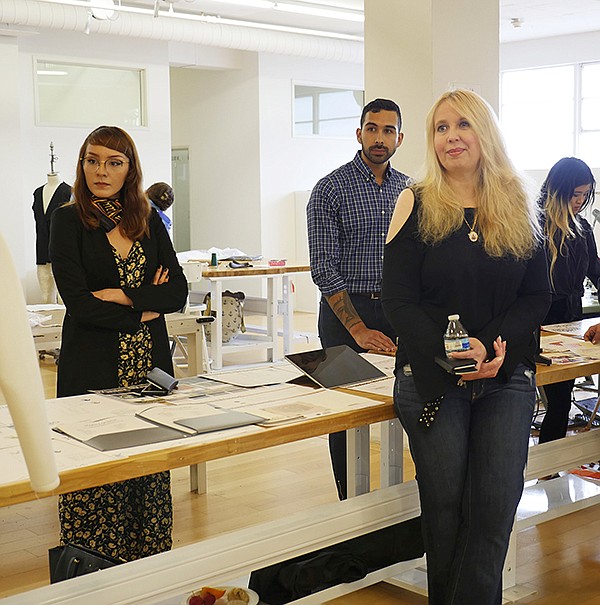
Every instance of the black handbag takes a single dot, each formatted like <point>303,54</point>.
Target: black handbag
<point>70,560</point>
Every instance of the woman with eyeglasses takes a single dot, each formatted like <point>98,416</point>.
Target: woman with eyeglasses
<point>572,256</point>
<point>117,273</point>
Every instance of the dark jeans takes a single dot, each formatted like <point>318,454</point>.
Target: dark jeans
<point>469,466</point>
<point>332,333</point>
<point>558,406</point>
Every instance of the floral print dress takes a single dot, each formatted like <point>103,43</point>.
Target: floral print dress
<point>130,519</point>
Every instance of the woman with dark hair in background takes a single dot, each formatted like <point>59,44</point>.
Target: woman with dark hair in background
<point>161,196</point>
<point>572,256</point>
<point>117,274</point>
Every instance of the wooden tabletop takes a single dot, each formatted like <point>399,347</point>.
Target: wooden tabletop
<point>568,371</point>
<point>224,270</point>
<point>187,454</point>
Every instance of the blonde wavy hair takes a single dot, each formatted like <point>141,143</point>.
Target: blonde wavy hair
<point>507,217</point>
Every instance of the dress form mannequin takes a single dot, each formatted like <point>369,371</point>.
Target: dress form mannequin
<point>46,199</point>
<point>20,380</point>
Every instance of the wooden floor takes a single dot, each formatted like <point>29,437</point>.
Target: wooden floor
<point>560,559</point>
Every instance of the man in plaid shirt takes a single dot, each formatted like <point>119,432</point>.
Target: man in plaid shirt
<point>348,215</point>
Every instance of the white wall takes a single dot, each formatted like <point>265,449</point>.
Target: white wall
<point>543,52</point>
<point>215,115</point>
<point>289,163</point>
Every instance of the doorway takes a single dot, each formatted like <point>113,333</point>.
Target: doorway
<point>180,170</point>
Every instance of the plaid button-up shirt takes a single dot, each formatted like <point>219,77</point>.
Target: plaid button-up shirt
<point>348,217</point>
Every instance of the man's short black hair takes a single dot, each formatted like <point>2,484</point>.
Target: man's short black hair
<point>377,105</point>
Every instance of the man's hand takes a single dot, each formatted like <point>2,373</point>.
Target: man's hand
<point>365,337</point>
<point>372,340</point>
<point>592,334</point>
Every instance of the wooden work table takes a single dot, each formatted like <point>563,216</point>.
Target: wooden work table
<point>279,302</point>
<point>193,451</point>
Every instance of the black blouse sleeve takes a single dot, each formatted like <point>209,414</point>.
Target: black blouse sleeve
<point>421,337</point>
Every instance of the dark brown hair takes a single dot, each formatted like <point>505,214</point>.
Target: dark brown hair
<point>161,194</point>
<point>136,210</point>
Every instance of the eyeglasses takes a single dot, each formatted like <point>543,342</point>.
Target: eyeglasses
<point>91,164</point>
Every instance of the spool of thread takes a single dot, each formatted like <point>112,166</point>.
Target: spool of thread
<point>213,260</point>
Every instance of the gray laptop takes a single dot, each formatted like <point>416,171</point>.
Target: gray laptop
<point>338,366</point>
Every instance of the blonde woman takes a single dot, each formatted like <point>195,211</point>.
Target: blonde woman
<point>572,256</point>
<point>465,239</point>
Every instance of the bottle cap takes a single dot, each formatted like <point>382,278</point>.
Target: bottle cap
<point>454,317</point>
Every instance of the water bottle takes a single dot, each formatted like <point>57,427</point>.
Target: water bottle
<point>456,337</point>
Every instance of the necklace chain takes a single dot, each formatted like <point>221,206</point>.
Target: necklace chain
<point>472,235</point>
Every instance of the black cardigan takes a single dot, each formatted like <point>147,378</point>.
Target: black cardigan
<point>43,217</point>
<point>83,262</point>
<point>578,259</point>
<point>424,284</point>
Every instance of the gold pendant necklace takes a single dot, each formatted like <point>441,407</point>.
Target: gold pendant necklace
<point>472,235</point>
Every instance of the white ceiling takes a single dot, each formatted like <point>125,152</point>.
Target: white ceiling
<point>540,18</point>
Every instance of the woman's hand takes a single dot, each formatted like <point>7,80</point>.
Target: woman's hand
<point>149,316</point>
<point>485,369</point>
<point>161,276</point>
<point>114,295</point>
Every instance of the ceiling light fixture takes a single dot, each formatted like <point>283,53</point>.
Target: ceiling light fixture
<point>299,9</point>
<point>103,9</point>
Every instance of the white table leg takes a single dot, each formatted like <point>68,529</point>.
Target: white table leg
<point>358,460</point>
<point>272,352</point>
<point>288,314</point>
<point>198,477</point>
<point>216,330</point>
<point>392,453</point>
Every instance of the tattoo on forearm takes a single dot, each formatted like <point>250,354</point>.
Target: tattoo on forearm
<point>344,309</point>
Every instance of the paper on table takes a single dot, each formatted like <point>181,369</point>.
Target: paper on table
<point>385,363</point>
<point>573,328</point>
<point>258,376</point>
<point>567,349</point>
<point>259,395</point>
<point>385,386</point>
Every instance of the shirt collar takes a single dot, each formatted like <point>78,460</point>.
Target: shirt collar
<point>360,165</point>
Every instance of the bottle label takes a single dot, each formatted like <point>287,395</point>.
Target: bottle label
<point>454,345</point>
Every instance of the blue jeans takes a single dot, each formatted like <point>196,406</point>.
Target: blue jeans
<point>469,466</point>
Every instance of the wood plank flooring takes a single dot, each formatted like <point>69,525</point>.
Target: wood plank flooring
<point>560,559</point>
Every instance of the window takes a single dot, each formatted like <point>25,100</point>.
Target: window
<point>552,112</point>
<point>326,112</point>
<point>69,94</point>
